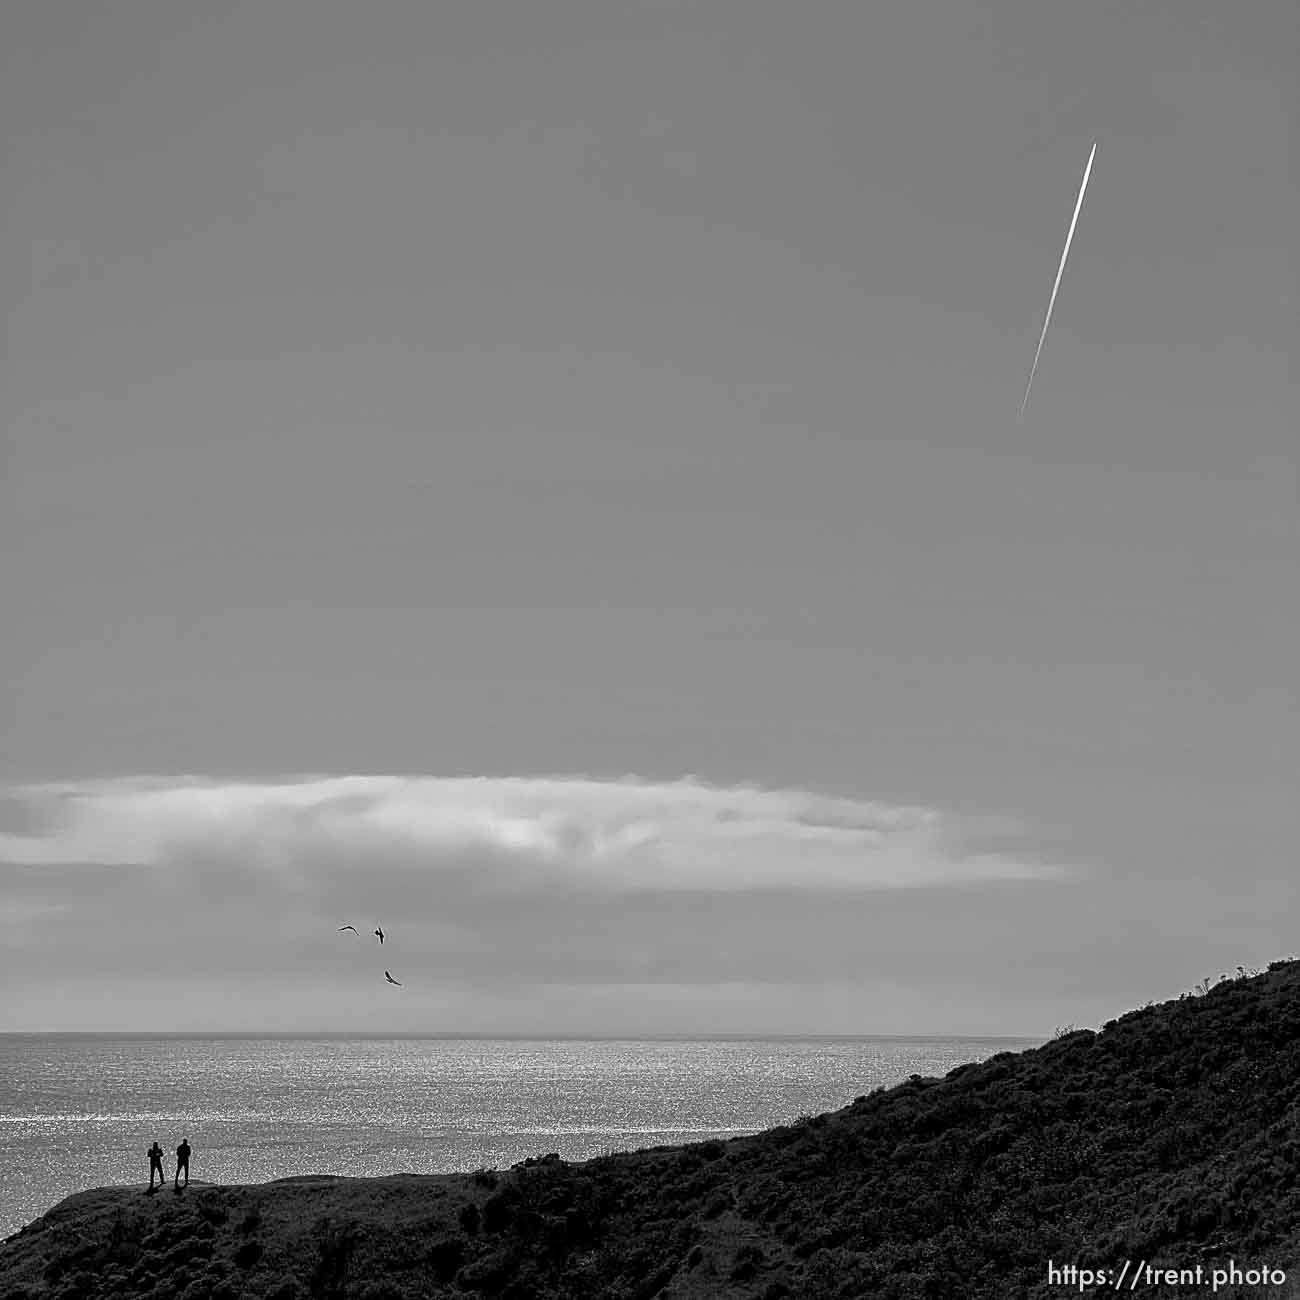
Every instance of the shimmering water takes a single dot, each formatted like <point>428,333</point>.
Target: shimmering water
<point>79,1111</point>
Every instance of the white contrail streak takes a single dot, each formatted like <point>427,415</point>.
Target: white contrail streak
<point>1051,302</point>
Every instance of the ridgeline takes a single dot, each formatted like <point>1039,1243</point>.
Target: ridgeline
<point>1170,1137</point>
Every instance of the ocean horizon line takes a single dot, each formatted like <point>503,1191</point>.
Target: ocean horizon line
<point>462,1037</point>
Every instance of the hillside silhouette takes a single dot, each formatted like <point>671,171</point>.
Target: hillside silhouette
<point>1171,1136</point>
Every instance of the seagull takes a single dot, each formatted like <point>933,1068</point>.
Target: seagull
<point>391,980</point>
<point>353,928</point>
<point>379,931</point>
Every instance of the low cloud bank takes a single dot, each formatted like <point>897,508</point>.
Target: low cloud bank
<point>616,836</point>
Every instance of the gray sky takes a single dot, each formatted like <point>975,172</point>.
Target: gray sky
<point>419,417</point>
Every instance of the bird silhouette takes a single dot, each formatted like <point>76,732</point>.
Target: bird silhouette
<point>391,980</point>
<point>379,932</point>
<point>353,928</point>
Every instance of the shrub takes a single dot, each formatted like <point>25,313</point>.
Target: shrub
<point>248,1254</point>
<point>499,1210</point>
<point>335,1244</point>
<point>446,1257</point>
<point>488,1273</point>
<point>716,1206</point>
<point>385,1290</point>
<point>748,1259</point>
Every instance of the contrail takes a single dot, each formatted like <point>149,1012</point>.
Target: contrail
<point>1051,302</point>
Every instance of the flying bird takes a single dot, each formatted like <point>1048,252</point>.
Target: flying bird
<point>379,931</point>
<point>353,928</point>
<point>391,980</point>
<point>1051,302</point>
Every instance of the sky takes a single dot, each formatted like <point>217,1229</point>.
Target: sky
<point>544,478</point>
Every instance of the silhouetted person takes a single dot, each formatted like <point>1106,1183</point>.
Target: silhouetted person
<point>183,1162</point>
<point>155,1164</point>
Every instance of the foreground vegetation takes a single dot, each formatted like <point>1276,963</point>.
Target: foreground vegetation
<point>1172,1136</point>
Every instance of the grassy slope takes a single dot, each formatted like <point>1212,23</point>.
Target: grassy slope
<point>1172,1135</point>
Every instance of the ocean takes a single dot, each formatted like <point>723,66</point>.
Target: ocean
<point>79,1110</point>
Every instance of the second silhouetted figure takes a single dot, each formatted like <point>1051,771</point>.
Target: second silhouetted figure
<point>155,1154</point>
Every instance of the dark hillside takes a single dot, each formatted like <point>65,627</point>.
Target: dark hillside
<point>1170,1137</point>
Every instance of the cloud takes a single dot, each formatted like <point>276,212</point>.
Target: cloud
<point>600,837</point>
<point>186,903</point>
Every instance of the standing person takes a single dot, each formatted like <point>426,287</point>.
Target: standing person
<point>155,1154</point>
<point>183,1162</point>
